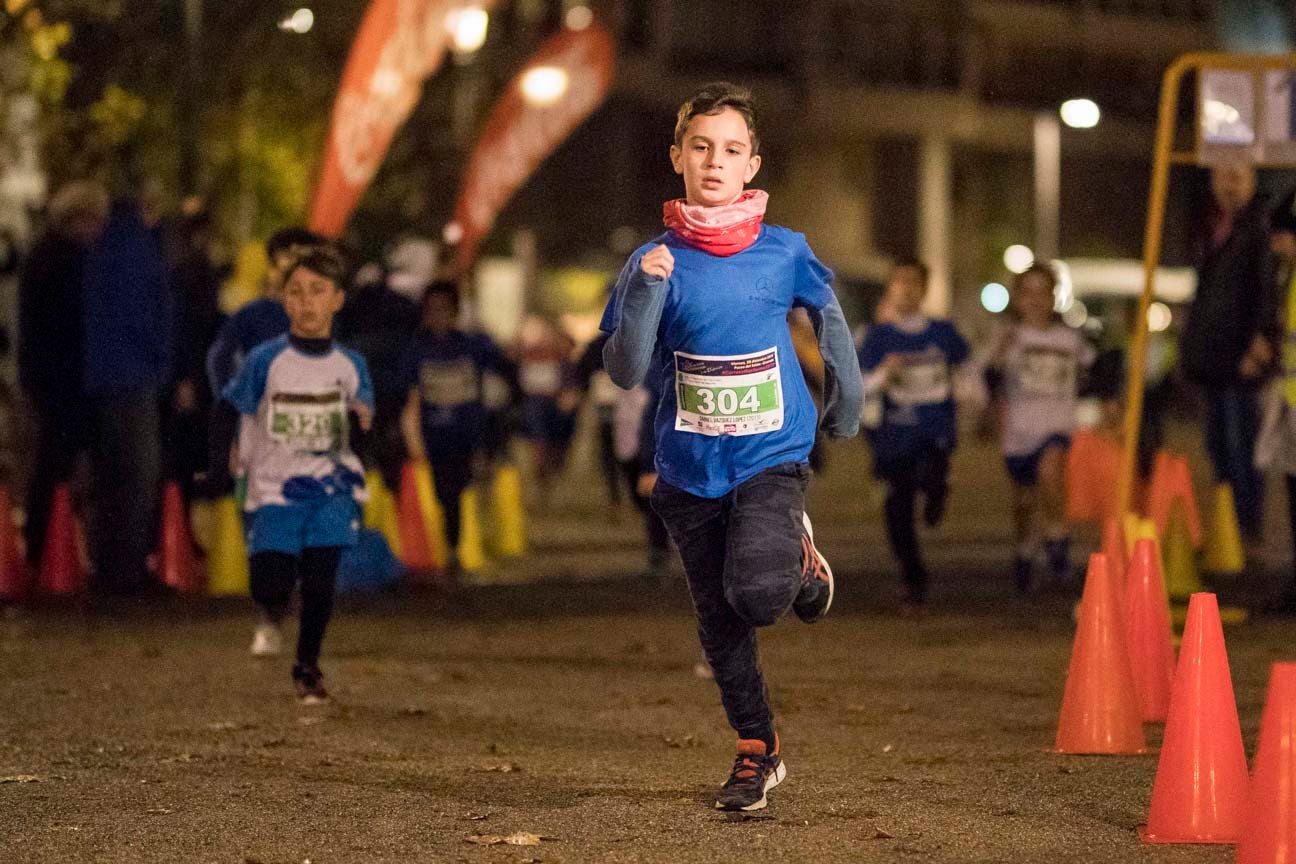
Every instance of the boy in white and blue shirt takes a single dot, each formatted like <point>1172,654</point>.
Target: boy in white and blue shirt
<point>294,398</point>
<point>908,363</point>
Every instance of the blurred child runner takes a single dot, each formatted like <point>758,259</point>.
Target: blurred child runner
<point>908,361</point>
<point>702,312</point>
<point>297,393</point>
<point>444,372</point>
<point>1040,360</point>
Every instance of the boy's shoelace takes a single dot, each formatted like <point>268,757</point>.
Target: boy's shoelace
<point>746,771</point>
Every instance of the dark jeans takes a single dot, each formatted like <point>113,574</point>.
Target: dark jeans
<point>1232,425</point>
<point>125,459</point>
<point>925,471</point>
<point>742,556</point>
<point>273,575</point>
<point>452,473</point>
<point>63,433</point>
<point>608,463</point>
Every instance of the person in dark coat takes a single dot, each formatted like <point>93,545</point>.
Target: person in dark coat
<point>127,327</point>
<point>1228,343</point>
<point>50,346</point>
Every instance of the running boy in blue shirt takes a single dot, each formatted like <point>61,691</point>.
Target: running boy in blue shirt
<point>702,312</point>
<point>908,362</point>
<point>294,396</point>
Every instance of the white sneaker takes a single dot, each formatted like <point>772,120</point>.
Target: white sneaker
<point>267,641</point>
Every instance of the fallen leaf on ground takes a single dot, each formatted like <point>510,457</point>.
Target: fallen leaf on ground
<point>883,835</point>
<point>500,767</point>
<point>413,711</point>
<point>309,721</point>
<point>888,748</point>
<point>20,778</point>
<point>229,726</point>
<point>159,811</point>
<point>476,817</point>
<point>521,838</point>
<point>686,741</point>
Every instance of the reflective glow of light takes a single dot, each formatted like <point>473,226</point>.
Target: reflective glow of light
<point>1064,292</point>
<point>579,17</point>
<point>468,28</point>
<point>1076,315</point>
<point>1018,257</point>
<point>544,85</point>
<point>452,233</point>
<point>1080,113</point>
<point>299,21</point>
<point>994,297</point>
<point>1159,317</point>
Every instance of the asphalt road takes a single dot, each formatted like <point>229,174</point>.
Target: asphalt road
<point>557,700</point>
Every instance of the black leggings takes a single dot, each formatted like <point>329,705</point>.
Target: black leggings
<point>273,575</point>
<point>926,471</point>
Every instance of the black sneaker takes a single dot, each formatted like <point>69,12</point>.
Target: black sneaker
<point>309,683</point>
<point>816,594</point>
<point>1022,568</point>
<point>755,772</point>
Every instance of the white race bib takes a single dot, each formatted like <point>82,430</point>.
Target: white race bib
<point>739,395</point>
<point>1047,373</point>
<point>308,422</point>
<point>448,385</point>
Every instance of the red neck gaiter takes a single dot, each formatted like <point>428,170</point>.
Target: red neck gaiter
<point>722,231</point>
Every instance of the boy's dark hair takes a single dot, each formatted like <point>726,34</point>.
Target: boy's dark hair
<point>714,98</point>
<point>924,273</point>
<point>294,235</point>
<point>442,288</point>
<point>325,260</point>
<point>1039,267</point>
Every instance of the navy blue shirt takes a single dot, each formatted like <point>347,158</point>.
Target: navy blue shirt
<point>917,401</point>
<point>733,400</point>
<point>448,372</point>
<point>257,322</point>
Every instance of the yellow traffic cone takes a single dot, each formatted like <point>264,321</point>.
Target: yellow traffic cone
<point>1182,579</point>
<point>433,515</point>
<point>508,514</point>
<point>227,563</point>
<point>1132,524</point>
<point>1223,552</point>
<point>471,555</point>
<point>380,511</point>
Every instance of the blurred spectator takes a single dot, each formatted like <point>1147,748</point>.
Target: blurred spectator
<point>593,379</point>
<point>50,345</point>
<point>550,397</point>
<point>195,285</point>
<point>1228,341</point>
<point>262,319</point>
<point>128,347</point>
<point>379,323</point>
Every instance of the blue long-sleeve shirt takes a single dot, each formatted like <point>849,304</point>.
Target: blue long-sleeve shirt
<point>257,322</point>
<point>714,339</point>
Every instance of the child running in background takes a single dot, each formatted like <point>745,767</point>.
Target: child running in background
<point>1039,360</point>
<point>702,312</point>
<point>908,361</point>
<point>445,420</point>
<point>295,395</point>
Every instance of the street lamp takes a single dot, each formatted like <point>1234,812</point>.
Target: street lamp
<point>544,85</point>
<point>299,21</point>
<point>1078,114</point>
<point>468,28</point>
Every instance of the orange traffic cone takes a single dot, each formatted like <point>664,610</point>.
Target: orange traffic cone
<point>1269,830</point>
<point>1148,633</point>
<point>61,571</point>
<point>177,564</point>
<point>1172,483</point>
<point>15,577</point>
<point>1201,782</point>
<point>415,552</point>
<point>1113,546</point>
<point>1100,711</point>
<point>1093,463</point>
